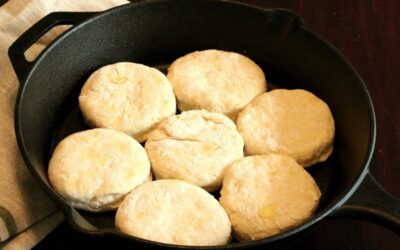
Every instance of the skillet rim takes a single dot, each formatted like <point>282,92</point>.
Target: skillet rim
<point>69,211</point>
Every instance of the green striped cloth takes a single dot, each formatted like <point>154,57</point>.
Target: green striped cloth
<point>27,215</point>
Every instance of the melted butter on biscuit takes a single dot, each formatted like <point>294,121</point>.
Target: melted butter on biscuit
<point>93,156</point>
<point>209,147</point>
<point>119,79</point>
<point>122,147</point>
<point>139,216</point>
<point>130,174</point>
<point>267,211</point>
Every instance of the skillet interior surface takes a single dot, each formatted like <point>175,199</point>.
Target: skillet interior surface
<point>70,120</point>
<point>158,32</point>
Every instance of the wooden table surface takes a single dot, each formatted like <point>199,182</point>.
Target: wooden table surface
<point>368,34</point>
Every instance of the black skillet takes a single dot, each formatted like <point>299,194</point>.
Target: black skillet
<point>159,31</point>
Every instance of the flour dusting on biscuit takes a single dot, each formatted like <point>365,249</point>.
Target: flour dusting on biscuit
<point>195,146</point>
<point>267,194</point>
<point>174,212</point>
<point>292,122</point>
<point>128,97</point>
<point>95,169</point>
<point>215,80</point>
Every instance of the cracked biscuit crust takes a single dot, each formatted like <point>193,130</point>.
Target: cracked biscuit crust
<point>267,194</point>
<point>215,80</point>
<point>128,97</point>
<point>291,122</point>
<point>174,212</point>
<point>95,169</point>
<point>195,146</point>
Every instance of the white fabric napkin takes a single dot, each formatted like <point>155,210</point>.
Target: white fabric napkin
<point>27,215</point>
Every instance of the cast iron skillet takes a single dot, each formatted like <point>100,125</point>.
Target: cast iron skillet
<point>157,32</point>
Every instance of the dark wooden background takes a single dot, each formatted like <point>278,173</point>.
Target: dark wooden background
<point>368,34</point>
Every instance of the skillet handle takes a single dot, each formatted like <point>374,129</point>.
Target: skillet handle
<point>373,203</point>
<point>18,48</point>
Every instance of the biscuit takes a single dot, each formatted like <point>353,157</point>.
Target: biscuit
<point>195,146</point>
<point>128,97</point>
<point>95,169</point>
<point>292,122</point>
<point>215,80</point>
<point>267,194</point>
<point>174,212</point>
